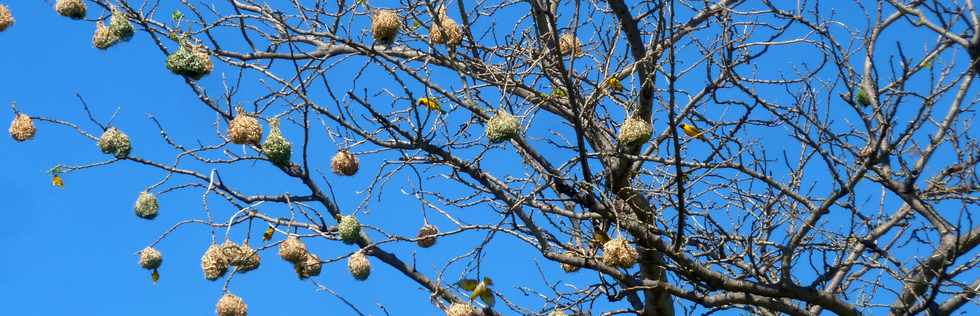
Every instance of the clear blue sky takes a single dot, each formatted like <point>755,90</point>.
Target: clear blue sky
<point>72,250</point>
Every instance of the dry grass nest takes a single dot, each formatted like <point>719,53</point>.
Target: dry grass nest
<point>231,305</point>
<point>634,132</point>
<point>119,29</point>
<point>445,30</point>
<point>292,249</point>
<point>618,252</point>
<point>345,163</point>
<point>115,142</point>
<point>6,18</point>
<point>502,127</point>
<point>309,267</point>
<point>570,45</point>
<point>244,129</point>
<point>385,25</point>
<point>150,258</point>
<point>359,266</point>
<point>214,263</point>
<point>73,9</point>
<point>22,128</point>
<point>245,258</point>
<point>461,309</point>
<point>427,236</point>
<point>146,205</point>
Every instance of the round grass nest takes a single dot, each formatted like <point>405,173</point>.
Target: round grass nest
<point>246,259</point>
<point>345,163</point>
<point>310,266</point>
<point>569,45</point>
<point>359,266</point>
<point>276,147</point>
<point>502,127</point>
<point>22,128</point>
<point>214,263</point>
<point>446,30</point>
<point>244,129</point>
<point>292,249</point>
<point>72,9</point>
<point>618,252</point>
<point>115,142</point>
<point>191,61</point>
<point>6,18</point>
<point>569,268</point>
<point>385,25</point>
<point>461,309</point>
<point>119,26</point>
<point>634,132</point>
<point>558,312</point>
<point>102,38</point>
<point>427,236</point>
<point>349,229</point>
<point>146,205</point>
<point>150,258</point>
<point>231,305</point>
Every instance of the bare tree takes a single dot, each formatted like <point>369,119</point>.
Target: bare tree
<point>774,157</point>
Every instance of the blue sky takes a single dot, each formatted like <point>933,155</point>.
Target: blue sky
<point>72,250</point>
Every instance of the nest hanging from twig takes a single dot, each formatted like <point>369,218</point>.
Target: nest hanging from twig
<point>150,258</point>
<point>276,147</point>
<point>310,266</point>
<point>445,30</point>
<point>359,266</point>
<point>244,129</point>
<point>213,263</point>
<point>22,128</point>
<point>72,9</point>
<point>349,229</point>
<point>618,252</point>
<point>385,25</point>
<point>231,305</point>
<point>502,127</point>
<point>460,309</point>
<point>247,259</point>
<point>115,142</point>
<point>102,38</point>
<point>6,18</point>
<point>292,249</point>
<point>146,205</point>
<point>344,163</point>
<point>634,132</point>
<point>427,236</point>
<point>570,45</point>
<point>189,60</point>
<point>119,25</point>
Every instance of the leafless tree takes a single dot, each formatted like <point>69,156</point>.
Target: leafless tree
<point>829,163</point>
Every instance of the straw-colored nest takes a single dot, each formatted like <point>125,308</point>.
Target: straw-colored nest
<point>446,31</point>
<point>359,266</point>
<point>385,25</point>
<point>214,263</point>
<point>191,61</point>
<point>231,305</point>
<point>569,268</point>
<point>146,205</point>
<point>103,38</point>
<point>427,236</point>
<point>502,127</point>
<point>276,147</point>
<point>6,18</point>
<point>618,252</point>
<point>246,259</point>
<point>461,309</point>
<point>349,229</point>
<point>115,142</point>
<point>569,45</point>
<point>310,266</point>
<point>344,163</point>
<point>119,25</point>
<point>150,258</point>
<point>244,129</point>
<point>634,132</point>
<point>558,312</point>
<point>22,127</point>
<point>73,9</point>
<point>292,249</point>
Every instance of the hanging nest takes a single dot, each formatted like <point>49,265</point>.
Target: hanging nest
<point>119,26</point>
<point>862,97</point>
<point>618,252</point>
<point>558,312</point>
<point>276,147</point>
<point>6,18</point>
<point>292,249</point>
<point>103,38</point>
<point>22,127</point>
<point>634,132</point>
<point>461,309</point>
<point>344,163</point>
<point>349,229</point>
<point>385,25</point>
<point>309,267</point>
<point>146,205</point>
<point>150,258</point>
<point>359,266</point>
<point>427,236</point>
<point>115,142</point>
<point>231,305</point>
<point>73,9</point>
<point>191,61</point>
<point>244,129</point>
<point>446,31</point>
<point>213,263</point>
<point>502,127</point>
<point>569,268</point>
<point>247,259</point>
<point>569,45</point>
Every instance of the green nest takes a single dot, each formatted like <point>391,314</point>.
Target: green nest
<point>349,229</point>
<point>115,142</point>
<point>276,147</point>
<point>502,127</point>
<point>191,62</point>
<point>146,205</point>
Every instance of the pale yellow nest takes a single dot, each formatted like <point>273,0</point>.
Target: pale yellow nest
<point>292,249</point>
<point>359,266</point>
<point>214,263</point>
<point>150,258</point>
<point>618,252</point>
<point>344,163</point>
<point>22,127</point>
<point>461,309</point>
<point>73,9</point>
<point>6,18</point>
<point>231,305</point>
<point>244,129</point>
<point>385,25</point>
<point>634,132</point>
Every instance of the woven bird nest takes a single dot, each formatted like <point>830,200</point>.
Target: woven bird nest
<point>103,38</point>
<point>569,45</point>
<point>214,263</point>
<point>244,129</point>
<point>6,18</point>
<point>359,266</point>
<point>446,31</point>
<point>150,258</point>
<point>344,163</point>
<point>569,268</point>
<point>461,309</point>
<point>146,205</point>
<point>502,127</point>
<point>115,142</point>
<point>618,252</point>
<point>427,236</point>
<point>231,305</point>
<point>119,26</point>
<point>558,312</point>
<point>247,259</point>
<point>276,147</point>
<point>634,132</point>
<point>73,9</point>
<point>292,249</point>
<point>22,127</point>
<point>310,266</point>
<point>349,229</point>
<point>385,25</point>
<point>191,61</point>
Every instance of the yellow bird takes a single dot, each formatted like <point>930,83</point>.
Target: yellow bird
<point>692,131</point>
<point>480,289</point>
<point>432,104</point>
<point>268,233</point>
<point>155,276</point>
<point>57,181</point>
<point>614,84</point>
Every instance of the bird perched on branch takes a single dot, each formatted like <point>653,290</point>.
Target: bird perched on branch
<point>480,289</point>
<point>431,104</point>
<point>692,131</point>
